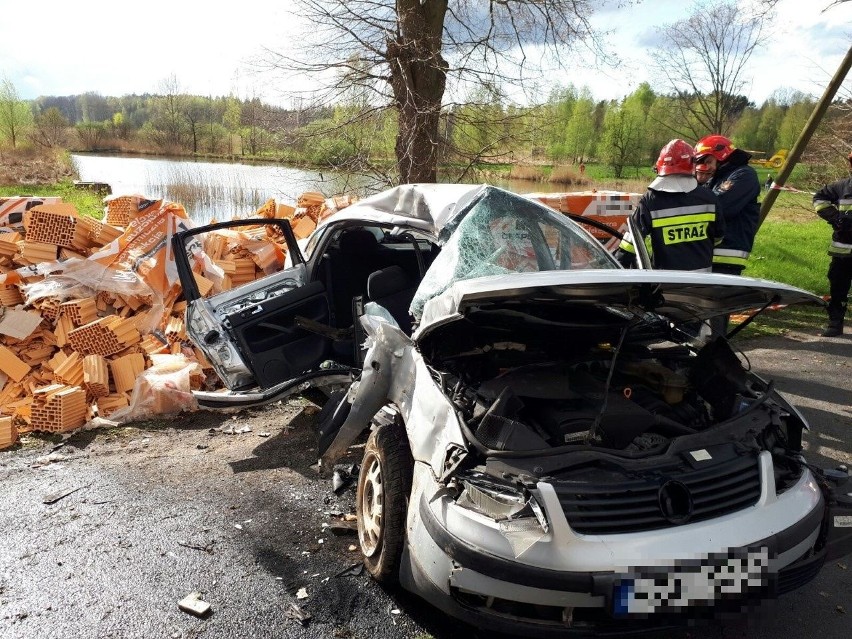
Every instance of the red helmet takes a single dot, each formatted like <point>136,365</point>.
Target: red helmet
<point>675,159</point>
<point>718,146</point>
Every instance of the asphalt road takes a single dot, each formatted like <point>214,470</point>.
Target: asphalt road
<point>163,509</point>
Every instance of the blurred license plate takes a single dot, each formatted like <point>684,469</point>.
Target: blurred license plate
<point>693,583</point>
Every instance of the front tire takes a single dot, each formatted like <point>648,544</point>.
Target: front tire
<point>384,485</point>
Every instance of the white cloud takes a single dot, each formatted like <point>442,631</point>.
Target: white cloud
<point>803,51</point>
<point>71,48</point>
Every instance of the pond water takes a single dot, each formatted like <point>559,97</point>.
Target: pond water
<point>221,190</point>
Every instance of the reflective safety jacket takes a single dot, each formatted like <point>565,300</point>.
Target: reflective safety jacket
<point>737,187</point>
<point>833,203</point>
<point>682,228</point>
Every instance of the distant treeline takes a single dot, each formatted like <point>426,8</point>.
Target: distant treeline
<point>569,127</point>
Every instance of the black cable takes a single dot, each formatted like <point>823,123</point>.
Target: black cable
<point>593,431</point>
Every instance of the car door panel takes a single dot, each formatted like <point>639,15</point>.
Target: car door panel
<point>275,348</point>
<point>249,332</point>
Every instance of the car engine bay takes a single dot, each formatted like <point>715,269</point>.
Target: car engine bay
<point>605,382</point>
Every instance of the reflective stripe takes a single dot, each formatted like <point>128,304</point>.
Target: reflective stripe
<point>843,204</point>
<point>840,248</point>
<point>683,210</point>
<point>627,246</point>
<point>731,253</point>
<point>730,256</point>
<point>737,261</point>
<point>683,219</point>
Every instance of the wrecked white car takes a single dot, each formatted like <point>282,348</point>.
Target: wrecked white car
<point>550,452</point>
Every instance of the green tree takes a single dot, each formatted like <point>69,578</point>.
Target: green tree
<point>661,126</point>
<point>50,129</point>
<point>231,120</point>
<point>94,107</point>
<point>580,132</point>
<point>196,110</point>
<point>626,139</point>
<point>555,115</point>
<point>745,130</point>
<point>622,137</point>
<point>254,132</point>
<point>91,135</point>
<point>771,117</point>
<point>794,120</point>
<point>479,131</point>
<point>15,115</point>
<point>119,126</point>
<point>167,128</point>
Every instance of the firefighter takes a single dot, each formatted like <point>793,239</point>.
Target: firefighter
<point>725,169</point>
<point>833,203</point>
<point>683,221</point>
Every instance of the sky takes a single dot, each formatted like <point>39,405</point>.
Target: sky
<point>55,47</point>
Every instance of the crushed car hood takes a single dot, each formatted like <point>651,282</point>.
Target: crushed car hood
<point>678,295</point>
<point>427,207</point>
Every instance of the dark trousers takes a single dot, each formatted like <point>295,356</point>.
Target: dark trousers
<point>728,269</point>
<point>839,283</point>
<point>719,325</point>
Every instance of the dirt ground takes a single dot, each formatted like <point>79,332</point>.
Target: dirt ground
<point>26,168</point>
<point>164,508</point>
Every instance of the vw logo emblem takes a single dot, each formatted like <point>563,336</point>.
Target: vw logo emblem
<point>675,502</point>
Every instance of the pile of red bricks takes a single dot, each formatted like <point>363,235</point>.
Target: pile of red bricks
<point>84,355</point>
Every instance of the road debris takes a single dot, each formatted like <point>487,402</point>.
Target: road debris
<point>194,605</point>
<point>302,593</point>
<point>354,570</point>
<point>339,481</point>
<point>230,430</point>
<point>342,528</point>
<point>52,498</point>
<point>293,611</point>
<point>344,477</point>
<point>208,547</point>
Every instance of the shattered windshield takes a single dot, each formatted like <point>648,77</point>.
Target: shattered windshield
<point>506,233</point>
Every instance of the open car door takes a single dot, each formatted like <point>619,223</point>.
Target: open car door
<point>248,303</point>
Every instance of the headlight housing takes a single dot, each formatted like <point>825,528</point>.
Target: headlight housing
<point>512,506</point>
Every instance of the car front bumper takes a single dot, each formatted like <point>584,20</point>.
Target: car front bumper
<point>462,575</point>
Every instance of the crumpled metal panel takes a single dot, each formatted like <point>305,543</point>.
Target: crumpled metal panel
<point>395,372</point>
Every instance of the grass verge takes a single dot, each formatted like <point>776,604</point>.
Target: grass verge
<point>797,319</point>
<point>86,202</point>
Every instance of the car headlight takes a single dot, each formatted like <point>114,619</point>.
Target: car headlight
<point>514,507</point>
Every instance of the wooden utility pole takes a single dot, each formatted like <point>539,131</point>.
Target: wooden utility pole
<point>807,132</point>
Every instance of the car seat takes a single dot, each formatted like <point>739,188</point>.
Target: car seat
<point>393,289</point>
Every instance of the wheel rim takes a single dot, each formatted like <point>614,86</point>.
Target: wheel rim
<point>371,506</point>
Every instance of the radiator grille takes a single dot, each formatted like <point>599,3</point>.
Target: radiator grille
<point>634,505</point>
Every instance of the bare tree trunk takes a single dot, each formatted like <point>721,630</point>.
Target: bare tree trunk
<point>418,78</point>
